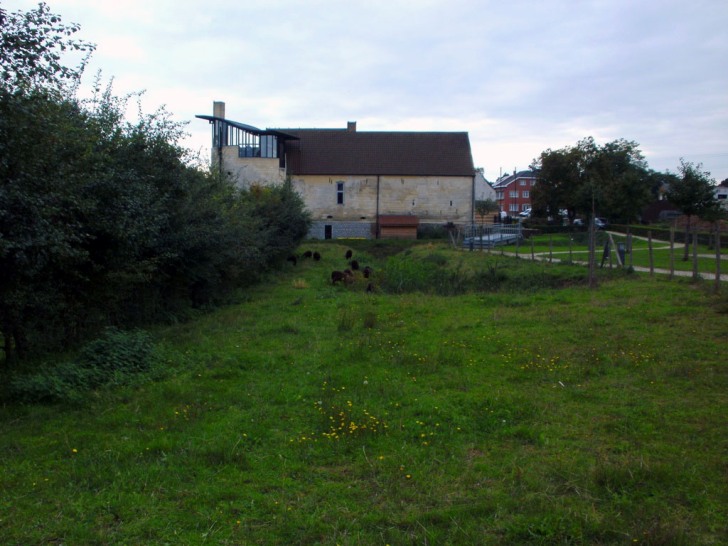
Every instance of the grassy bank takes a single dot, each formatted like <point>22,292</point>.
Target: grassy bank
<point>521,407</point>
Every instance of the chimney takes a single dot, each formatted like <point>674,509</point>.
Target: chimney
<point>351,126</point>
<point>218,109</point>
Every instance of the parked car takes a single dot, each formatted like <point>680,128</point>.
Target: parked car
<point>525,213</point>
<point>600,223</point>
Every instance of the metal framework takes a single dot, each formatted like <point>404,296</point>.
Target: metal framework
<point>250,141</point>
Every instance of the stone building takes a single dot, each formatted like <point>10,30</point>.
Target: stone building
<point>351,181</point>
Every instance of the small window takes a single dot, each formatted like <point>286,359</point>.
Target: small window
<point>513,194</point>
<point>522,182</point>
<point>513,207</point>
<point>339,193</point>
<point>526,193</point>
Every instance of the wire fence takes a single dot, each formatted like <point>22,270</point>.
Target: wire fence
<point>611,249</point>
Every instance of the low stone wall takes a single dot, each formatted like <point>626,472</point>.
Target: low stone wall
<point>339,230</point>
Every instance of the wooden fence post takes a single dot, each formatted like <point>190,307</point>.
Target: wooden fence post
<point>616,253</point>
<point>672,252</point>
<point>629,247</point>
<point>592,255</point>
<point>695,254</point>
<point>717,257</point>
<point>551,247</point>
<point>571,248</point>
<point>649,251</point>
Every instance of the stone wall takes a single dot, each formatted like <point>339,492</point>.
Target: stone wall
<point>433,199</point>
<point>250,170</point>
<point>339,230</point>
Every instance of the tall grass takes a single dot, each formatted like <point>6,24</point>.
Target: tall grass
<point>502,413</point>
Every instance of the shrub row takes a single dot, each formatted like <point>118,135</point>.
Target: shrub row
<point>105,222</point>
<point>115,358</point>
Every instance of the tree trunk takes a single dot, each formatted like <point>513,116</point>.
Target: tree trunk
<point>14,340</point>
<point>8,348</point>
<point>687,240</point>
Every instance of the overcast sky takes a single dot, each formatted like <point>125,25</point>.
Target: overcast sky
<point>519,76</point>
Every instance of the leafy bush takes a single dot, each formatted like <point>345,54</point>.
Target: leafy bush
<point>105,222</point>
<point>48,385</point>
<point>117,358</point>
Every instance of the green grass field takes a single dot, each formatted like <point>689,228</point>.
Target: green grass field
<point>531,410</point>
<point>575,247</point>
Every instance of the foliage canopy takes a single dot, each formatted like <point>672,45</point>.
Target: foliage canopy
<point>693,193</point>
<point>33,46</point>
<point>586,179</point>
<point>104,221</point>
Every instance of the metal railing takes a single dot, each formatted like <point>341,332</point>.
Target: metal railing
<point>480,236</point>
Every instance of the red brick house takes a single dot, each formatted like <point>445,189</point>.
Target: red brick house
<point>513,192</point>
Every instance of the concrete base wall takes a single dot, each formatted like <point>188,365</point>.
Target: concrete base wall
<point>358,230</point>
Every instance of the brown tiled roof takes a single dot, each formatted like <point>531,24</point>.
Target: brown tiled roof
<point>342,152</point>
<point>508,180</point>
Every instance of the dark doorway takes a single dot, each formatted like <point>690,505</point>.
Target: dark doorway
<point>328,232</point>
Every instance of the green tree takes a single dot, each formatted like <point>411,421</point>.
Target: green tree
<point>33,45</point>
<point>659,182</point>
<point>558,179</point>
<point>625,181</point>
<point>42,141</point>
<point>43,144</point>
<point>108,222</point>
<point>612,180</point>
<point>485,206</point>
<point>693,193</point>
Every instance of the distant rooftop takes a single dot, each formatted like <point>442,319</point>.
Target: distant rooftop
<point>506,180</point>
